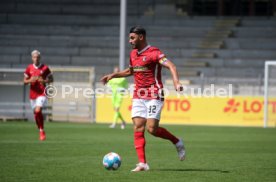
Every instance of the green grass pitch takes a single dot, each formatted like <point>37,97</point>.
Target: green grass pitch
<point>74,152</point>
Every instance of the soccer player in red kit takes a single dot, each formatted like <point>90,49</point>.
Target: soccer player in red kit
<point>38,75</point>
<point>146,63</point>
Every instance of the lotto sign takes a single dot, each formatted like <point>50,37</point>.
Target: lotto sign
<point>236,111</point>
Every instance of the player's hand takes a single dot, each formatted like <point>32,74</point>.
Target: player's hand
<point>178,87</point>
<point>106,78</point>
<point>33,79</point>
<point>40,79</point>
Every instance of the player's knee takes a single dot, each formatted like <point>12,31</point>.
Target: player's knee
<point>151,130</point>
<point>37,110</point>
<point>139,128</point>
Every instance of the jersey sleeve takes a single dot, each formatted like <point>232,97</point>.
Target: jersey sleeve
<point>27,73</point>
<point>47,72</point>
<point>160,57</point>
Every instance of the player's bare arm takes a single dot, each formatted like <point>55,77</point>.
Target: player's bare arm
<point>168,64</point>
<point>49,79</point>
<point>125,73</point>
<point>28,80</point>
<point>32,79</point>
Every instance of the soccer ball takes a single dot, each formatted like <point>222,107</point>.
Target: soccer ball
<point>112,161</point>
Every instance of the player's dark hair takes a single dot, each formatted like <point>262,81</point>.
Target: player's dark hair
<point>138,30</point>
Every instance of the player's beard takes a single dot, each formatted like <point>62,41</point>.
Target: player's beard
<point>133,46</point>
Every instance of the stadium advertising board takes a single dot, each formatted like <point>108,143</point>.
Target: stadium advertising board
<point>235,111</point>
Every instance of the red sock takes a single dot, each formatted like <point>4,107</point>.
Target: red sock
<point>165,134</point>
<point>39,120</point>
<point>140,142</point>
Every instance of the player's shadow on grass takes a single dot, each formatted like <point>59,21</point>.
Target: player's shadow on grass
<point>194,170</point>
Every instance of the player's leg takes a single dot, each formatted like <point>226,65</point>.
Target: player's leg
<point>40,103</point>
<point>118,105</point>
<point>33,106</point>
<point>123,124</point>
<point>140,143</point>
<point>115,116</point>
<point>117,102</point>
<point>154,129</point>
<point>139,138</point>
<point>153,118</point>
<point>39,120</point>
<point>139,121</point>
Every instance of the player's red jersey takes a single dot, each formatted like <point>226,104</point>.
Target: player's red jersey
<point>37,88</point>
<point>147,72</point>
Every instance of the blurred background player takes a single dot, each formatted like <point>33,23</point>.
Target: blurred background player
<point>146,63</point>
<point>117,85</point>
<point>38,75</point>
